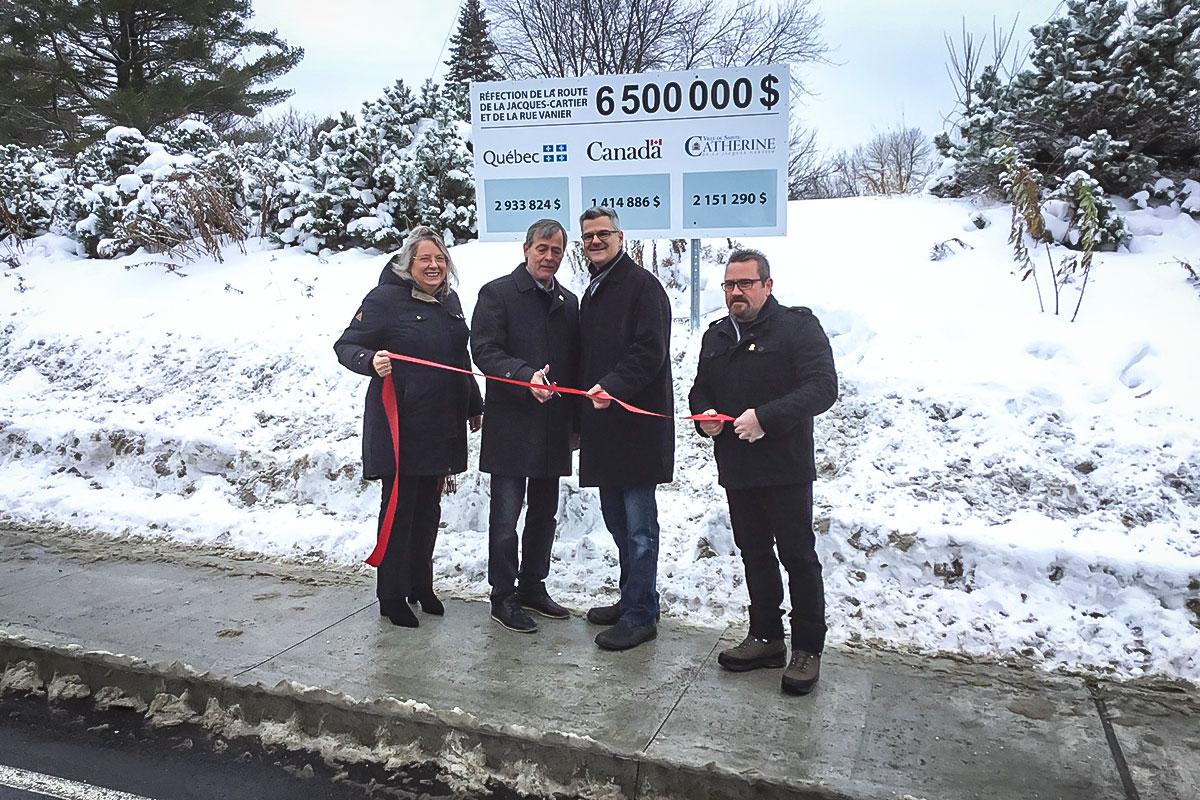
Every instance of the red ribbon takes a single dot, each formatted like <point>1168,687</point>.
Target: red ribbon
<point>392,411</point>
<point>393,420</point>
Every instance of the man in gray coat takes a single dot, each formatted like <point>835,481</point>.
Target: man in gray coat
<point>526,327</point>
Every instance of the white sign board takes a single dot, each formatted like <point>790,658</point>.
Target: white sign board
<point>681,155</point>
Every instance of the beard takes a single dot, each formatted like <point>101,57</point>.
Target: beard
<point>742,311</point>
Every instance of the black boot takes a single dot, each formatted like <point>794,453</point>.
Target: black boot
<point>429,604</point>
<point>624,636</point>
<point>604,615</point>
<point>400,615</point>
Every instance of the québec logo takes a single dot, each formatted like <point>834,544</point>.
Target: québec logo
<point>549,154</point>
<point>650,149</point>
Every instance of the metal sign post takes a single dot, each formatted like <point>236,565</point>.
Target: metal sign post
<point>695,285</point>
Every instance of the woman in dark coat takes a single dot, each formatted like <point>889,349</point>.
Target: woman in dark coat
<point>413,311</point>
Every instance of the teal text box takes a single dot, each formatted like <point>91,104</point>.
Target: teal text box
<point>643,202</point>
<point>513,204</point>
<point>735,199</point>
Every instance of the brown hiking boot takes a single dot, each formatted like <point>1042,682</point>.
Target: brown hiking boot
<point>802,672</point>
<point>753,653</point>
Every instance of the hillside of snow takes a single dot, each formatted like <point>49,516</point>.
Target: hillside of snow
<point>994,480</point>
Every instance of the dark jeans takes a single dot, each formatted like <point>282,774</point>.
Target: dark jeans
<point>508,494</point>
<point>407,566</point>
<point>631,516</point>
<point>770,517</point>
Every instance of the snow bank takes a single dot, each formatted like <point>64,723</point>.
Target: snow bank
<point>994,480</point>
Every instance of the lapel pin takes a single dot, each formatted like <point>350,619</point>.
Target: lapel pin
<point>751,347</point>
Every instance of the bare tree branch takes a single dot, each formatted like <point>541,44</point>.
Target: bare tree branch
<point>561,38</point>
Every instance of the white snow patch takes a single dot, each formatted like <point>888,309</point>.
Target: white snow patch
<point>994,480</point>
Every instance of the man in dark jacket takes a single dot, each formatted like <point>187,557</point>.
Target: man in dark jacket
<point>526,327</point>
<point>625,330</point>
<point>771,368</point>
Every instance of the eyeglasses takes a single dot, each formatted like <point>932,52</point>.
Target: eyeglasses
<point>601,235</point>
<point>741,283</point>
<point>425,261</point>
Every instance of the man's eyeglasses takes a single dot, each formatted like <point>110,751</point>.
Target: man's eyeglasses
<point>601,235</point>
<point>425,261</point>
<point>741,283</point>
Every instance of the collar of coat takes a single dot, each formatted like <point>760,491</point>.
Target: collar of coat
<point>725,323</point>
<point>420,294</point>
<point>614,270</point>
<point>525,281</point>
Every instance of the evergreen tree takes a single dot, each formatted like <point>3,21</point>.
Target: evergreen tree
<point>1159,61</point>
<point>1070,86</point>
<point>23,101</point>
<point>342,176</point>
<point>392,117</point>
<point>133,63</point>
<point>443,190</point>
<point>125,192</point>
<point>191,137</point>
<point>1108,89</point>
<point>392,120</point>
<point>407,162</point>
<point>431,100</point>
<point>29,179</point>
<point>472,56</point>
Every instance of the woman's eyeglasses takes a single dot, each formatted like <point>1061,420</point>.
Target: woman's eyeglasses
<point>425,261</point>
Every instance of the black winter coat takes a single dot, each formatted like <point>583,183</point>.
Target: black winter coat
<point>625,334</point>
<point>517,329</point>
<point>434,404</point>
<point>782,368</point>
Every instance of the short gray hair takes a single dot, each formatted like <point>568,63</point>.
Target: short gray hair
<point>402,261</point>
<point>746,254</point>
<point>596,212</point>
<point>544,229</point>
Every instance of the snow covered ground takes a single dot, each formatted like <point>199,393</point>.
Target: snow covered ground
<point>995,480</point>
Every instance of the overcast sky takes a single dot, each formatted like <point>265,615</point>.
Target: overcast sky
<point>888,55</point>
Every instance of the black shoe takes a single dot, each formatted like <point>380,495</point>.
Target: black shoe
<point>508,612</point>
<point>429,604</point>
<point>604,615</point>
<point>400,615</point>
<point>624,636</point>
<point>610,615</point>
<point>542,604</point>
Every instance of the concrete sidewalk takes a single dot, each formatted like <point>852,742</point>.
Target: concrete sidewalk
<point>293,642</point>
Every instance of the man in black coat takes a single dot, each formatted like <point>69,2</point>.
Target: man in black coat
<point>526,327</point>
<point>625,330</point>
<point>771,368</point>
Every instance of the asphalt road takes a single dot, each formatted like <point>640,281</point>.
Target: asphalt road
<point>74,753</point>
